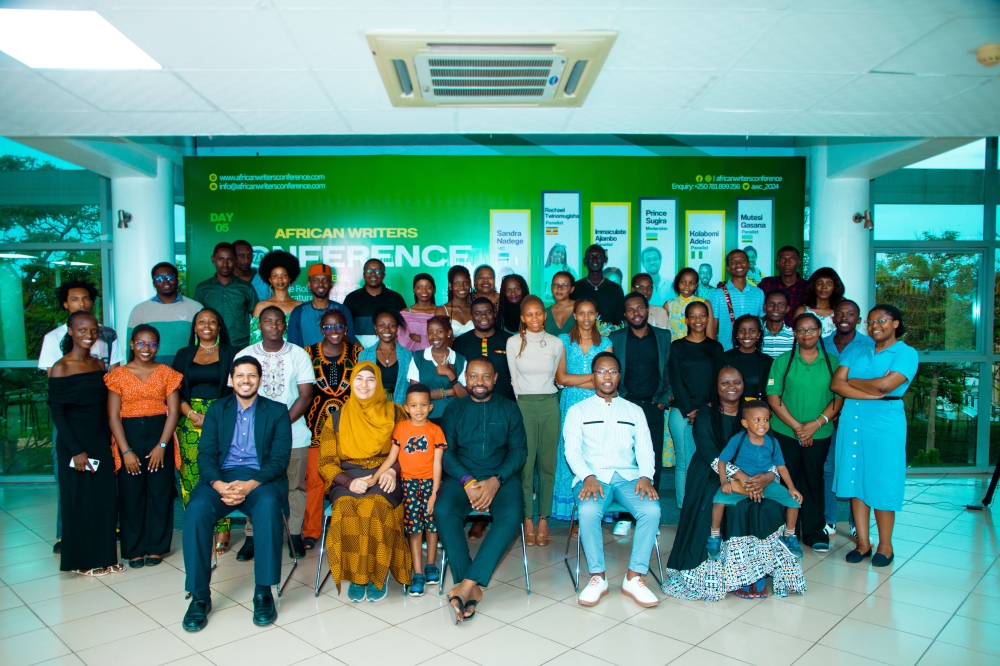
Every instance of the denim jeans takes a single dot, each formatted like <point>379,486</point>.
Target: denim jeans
<point>681,434</point>
<point>647,521</point>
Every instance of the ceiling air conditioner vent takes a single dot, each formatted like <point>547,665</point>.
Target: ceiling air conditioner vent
<point>489,70</point>
<point>482,79</point>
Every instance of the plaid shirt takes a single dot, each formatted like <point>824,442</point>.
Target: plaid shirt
<point>796,293</point>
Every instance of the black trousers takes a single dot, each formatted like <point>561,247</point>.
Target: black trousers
<point>146,500</point>
<point>450,512</point>
<point>805,466</point>
<point>264,505</point>
<point>655,420</point>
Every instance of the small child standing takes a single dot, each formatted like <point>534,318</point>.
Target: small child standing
<point>747,454</point>
<point>419,446</point>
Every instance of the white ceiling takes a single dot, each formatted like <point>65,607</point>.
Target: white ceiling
<point>764,67</point>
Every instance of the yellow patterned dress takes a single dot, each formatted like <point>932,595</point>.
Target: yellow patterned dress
<point>365,541</point>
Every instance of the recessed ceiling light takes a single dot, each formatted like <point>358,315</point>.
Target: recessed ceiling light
<point>57,39</point>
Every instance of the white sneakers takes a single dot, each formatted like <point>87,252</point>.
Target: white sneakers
<point>622,528</point>
<point>635,588</point>
<point>592,594</point>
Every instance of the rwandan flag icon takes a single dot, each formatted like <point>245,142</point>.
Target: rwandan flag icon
<point>748,239</point>
<point>651,236</point>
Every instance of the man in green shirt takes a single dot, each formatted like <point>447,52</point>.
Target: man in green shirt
<point>230,296</point>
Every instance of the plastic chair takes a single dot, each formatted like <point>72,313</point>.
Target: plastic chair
<point>327,512</point>
<point>614,507</point>
<point>524,551</point>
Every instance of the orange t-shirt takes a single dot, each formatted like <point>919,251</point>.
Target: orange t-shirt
<point>143,398</point>
<point>416,448</point>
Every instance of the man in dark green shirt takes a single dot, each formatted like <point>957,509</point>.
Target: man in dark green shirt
<point>228,295</point>
<point>487,447</point>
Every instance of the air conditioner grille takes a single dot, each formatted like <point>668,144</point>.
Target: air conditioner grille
<point>541,74</point>
<point>489,92</point>
<point>490,62</point>
<point>480,78</point>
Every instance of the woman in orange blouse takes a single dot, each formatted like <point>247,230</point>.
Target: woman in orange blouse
<point>143,408</point>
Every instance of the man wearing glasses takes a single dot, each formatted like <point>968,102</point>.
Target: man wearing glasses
<point>609,450</point>
<point>168,311</point>
<point>366,301</point>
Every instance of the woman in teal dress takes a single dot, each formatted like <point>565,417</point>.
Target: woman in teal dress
<point>581,345</point>
<point>279,269</point>
<point>871,435</point>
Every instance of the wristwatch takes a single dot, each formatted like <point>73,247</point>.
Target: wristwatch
<point>163,445</point>
<point>499,478</point>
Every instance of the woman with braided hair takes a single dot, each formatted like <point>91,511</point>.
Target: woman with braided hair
<point>798,391</point>
<point>533,357</point>
<point>747,356</point>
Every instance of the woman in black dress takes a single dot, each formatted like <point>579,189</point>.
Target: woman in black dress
<point>747,357</point>
<point>78,399</point>
<point>205,364</point>
<point>751,529</point>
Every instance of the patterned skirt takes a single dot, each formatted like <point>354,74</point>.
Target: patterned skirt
<point>366,542</point>
<point>744,561</point>
<point>187,438</point>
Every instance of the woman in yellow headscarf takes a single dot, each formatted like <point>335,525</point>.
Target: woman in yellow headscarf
<point>365,539</point>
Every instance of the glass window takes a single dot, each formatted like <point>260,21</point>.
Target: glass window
<point>970,156</point>
<point>928,222</point>
<point>995,417</point>
<point>27,425</point>
<point>16,156</point>
<point>28,305</point>
<point>50,224</point>
<point>942,406</point>
<point>937,291</point>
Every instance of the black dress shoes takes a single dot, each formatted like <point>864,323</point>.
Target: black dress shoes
<point>298,546</point>
<point>196,617</point>
<point>245,553</point>
<point>264,612</point>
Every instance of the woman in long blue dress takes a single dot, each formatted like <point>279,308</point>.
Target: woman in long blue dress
<point>581,345</point>
<point>871,435</point>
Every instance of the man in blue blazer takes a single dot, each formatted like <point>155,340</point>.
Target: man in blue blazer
<point>243,454</point>
<point>643,350</point>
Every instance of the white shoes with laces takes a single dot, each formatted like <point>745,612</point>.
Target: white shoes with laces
<point>592,594</point>
<point>642,595</point>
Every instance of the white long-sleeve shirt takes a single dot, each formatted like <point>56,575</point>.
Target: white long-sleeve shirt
<point>602,438</point>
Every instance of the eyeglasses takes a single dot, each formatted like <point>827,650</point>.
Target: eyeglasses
<point>807,331</point>
<point>880,320</point>
<point>374,271</point>
<point>165,278</point>
<point>606,373</point>
<point>335,328</point>
<point>561,285</point>
<point>142,344</point>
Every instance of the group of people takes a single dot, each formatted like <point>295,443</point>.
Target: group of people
<point>490,409</point>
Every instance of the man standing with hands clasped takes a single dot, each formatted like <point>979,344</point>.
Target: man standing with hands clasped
<point>611,456</point>
<point>245,443</point>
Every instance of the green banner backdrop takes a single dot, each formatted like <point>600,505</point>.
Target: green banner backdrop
<point>427,213</point>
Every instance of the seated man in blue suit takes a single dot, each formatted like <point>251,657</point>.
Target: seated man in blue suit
<point>245,444</point>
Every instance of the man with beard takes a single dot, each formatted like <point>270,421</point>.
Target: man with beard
<point>245,444</point>
<point>303,323</point>
<point>607,294</point>
<point>608,448</point>
<point>663,287</point>
<point>642,351</point>
<point>487,447</point>
<point>486,341</point>
<point>245,271</point>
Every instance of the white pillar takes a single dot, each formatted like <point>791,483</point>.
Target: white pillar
<point>834,239</point>
<point>148,240</point>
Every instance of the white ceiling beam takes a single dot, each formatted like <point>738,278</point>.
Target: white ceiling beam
<point>109,157</point>
<point>871,158</point>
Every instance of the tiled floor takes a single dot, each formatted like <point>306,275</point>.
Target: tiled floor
<point>939,604</point>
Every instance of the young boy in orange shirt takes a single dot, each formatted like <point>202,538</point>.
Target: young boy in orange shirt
<point>419,446</point>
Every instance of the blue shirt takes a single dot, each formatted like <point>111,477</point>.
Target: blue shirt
<point>864,363</point>
<point>303,323</point>
<point>243,448</point>
<point>858,341</point>
<point>748,301</point>
<point>753,459</point>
